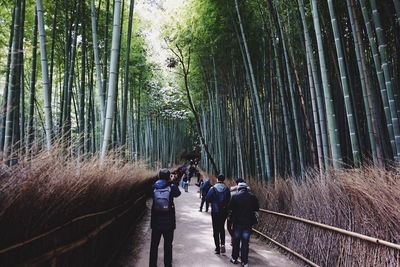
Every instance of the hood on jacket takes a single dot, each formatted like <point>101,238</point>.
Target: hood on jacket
<point>160,184</point>
<point>219,187</point>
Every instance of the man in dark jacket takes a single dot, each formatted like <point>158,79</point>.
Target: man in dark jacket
<point>242,208</point>
<point>163,221</point>
<point>219,196</point>
<point>204,188</point>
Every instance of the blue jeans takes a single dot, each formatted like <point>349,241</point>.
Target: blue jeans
<point>241,236</point>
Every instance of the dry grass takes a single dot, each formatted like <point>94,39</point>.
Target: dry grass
<point>365,201</point>
<point>50,190</point>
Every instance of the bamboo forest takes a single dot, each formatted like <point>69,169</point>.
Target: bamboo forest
<point>299,98</point>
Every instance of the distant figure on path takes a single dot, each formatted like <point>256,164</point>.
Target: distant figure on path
<point>185,183</point>
<point>192,171</point>
<point>163,221</point>
<point>242,208</point>
<point>219,196</point>
<point>204,188</point>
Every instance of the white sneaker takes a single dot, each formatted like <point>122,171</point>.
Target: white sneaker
<point>245,265</point>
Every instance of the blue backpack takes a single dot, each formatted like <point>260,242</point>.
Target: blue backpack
<point>220,198</point>
<point>161,199</point>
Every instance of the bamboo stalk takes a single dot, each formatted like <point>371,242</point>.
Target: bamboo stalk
<point>45,75</point>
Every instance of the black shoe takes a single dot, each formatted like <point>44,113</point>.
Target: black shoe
<point>233,261</point>
<point>200,210</point>
<point>217,251</point>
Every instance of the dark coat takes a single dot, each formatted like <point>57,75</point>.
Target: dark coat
<point>165,220</point>
<point>242,207</point>
<point>213,195</point>
<point>204,188</point>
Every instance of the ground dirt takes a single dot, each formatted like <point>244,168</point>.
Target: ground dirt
<point>193,242</point>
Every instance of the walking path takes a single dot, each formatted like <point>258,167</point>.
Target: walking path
<point>193,241</point>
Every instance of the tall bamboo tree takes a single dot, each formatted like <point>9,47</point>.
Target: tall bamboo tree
<point>330,112</point>
<point>255,96</point>
<point>369,101</point>
<point>380,76</point>
<point>45,75</point>
<point>345,86</point>
<point>32,88</point>
<point>387,76</point>
<point>99,81</point>
<point>317,86</point>
<point>126,75</point>
<point>111,98</point>
<point>14,81</point>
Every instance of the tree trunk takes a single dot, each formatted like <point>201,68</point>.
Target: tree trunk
<point>45,75</point>
<point>388,78</point>
<point>5,91</point>
<point>345,87</point>
<point>14,81</point>
<point>83,84</point>
<point>330,112</point>
<point>111,98</point>
<point>256,97</point>
<point>369,104</point>
<point>317,86</point>
<point>126,76</point>
<point>99,82</point>
<point>397,8</point>
<point>381,79</point>
<point>32,87</point>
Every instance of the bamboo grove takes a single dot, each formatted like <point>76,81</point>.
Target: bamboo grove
<point>285,86</point>
<point>77,72</point>
<point>270,88</point>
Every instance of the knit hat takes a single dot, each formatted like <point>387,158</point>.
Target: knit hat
<point>164,174</point>
<point>242,186</point>
<point>239,180</point>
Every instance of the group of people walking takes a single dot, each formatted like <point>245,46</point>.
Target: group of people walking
<point>236,205</point>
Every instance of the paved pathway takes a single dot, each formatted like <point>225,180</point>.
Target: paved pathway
<point>193,242</point>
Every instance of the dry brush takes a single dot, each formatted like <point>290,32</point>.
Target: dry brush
<point>364,200</point>
<point>74,209</point>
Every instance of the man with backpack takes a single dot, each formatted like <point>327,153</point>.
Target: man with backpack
<point>219,196</point>
<point>242,208</point>
<point>163,221</point>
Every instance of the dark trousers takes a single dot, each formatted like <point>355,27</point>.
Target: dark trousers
<point>241,236</point>
<point>230,229</point>
<point>168,236</point>
<point>203,199</point>
<point>218,221</point>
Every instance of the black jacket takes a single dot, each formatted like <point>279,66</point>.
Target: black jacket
<point>165,220</point>
<point>242,207</point>
<point>204,188</point>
